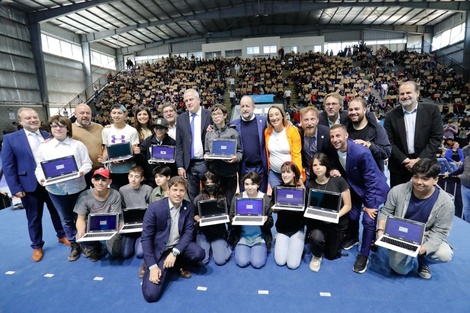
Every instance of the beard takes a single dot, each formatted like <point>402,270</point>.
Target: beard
<point>310,131</point>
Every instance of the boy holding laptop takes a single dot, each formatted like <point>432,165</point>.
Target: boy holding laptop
<point>100,199</point>
<point>422,201</point>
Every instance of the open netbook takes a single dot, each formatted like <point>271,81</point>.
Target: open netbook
<point>289,198</point>
<point>59,170</point>
<point>249,211</point>
<point>222,149</point>
<point>323,205</point>
<point>402,235</point>
<point>119,152</point>
<point>213,212</point>
<point>162,154</point>
<point>101,226</point>
<point>133,220</point>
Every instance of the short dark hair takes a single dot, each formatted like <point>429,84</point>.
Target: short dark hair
<point>137,169</point>
<point>323,159</point>
<point>178,180</point>
<point>59,119</point>
<point>254,176</point>
<point>163,170</point>
<point>427,167</point>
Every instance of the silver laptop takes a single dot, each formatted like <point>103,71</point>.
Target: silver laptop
<point>119,152</point>
<point>133,220</point>
<point>213,212</point>
<point>289,198</point>
<point>162,154</point>
<point>101,226</point>
<point>402,235</point>
<point>222,149</point>
<point>249,211</point>
<point>323,205</point>
<point>59,170</point>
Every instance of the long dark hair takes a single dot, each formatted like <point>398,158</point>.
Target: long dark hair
<point>138,126</point>
<point>323,159</point>
<point>218,192</point>
<point>291,165</point>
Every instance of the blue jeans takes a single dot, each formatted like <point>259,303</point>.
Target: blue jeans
<point>64,206</point>
<point>221,251</point>
<point>288,250</point>
<point>274,179</point>
<point>465,203</point>
<point>256,255</point>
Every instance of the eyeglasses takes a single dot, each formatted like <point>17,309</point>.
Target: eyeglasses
<point>217,114</point>
<point>331,104</point>
<point>55,126</point>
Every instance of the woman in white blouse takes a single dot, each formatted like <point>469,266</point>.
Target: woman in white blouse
<point>64,194</point>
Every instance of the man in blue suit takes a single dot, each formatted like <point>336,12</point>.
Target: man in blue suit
<point>368,190</point>
<point>251,129</point>
<point>167,239</point>
<point>191,127</point>
<point>19,166</point>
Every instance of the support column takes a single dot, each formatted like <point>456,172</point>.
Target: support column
<point>36,47</point>
<point>466,49</point>
<point>86,53</point>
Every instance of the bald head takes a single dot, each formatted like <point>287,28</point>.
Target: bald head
<point>83,115</point>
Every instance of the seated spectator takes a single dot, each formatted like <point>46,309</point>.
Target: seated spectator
<point>450,129</point>
<point>454,155</point>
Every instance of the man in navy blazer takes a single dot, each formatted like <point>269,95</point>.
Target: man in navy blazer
<point>19,166</point>
<point>368,190</point>
<point>332,110</point>
<point>189,146</point>
<point>167,239</point>
<point>251,129</point>
<point>414,130</point>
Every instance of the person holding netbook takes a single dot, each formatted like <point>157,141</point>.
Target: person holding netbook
<point>423,201</point>
<point>325,238</point>
<point>100,199</point>
<point>252,244</point>
<point>64,194</point>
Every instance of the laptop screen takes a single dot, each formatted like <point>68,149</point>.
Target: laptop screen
<point>59,167</point>
<point>324,200</point>
<point>249,206</point>
<point>224,147</point>
<point>403,229</point>
<point>212,207</point>
<point>102,222</point>
<point>118,150</point>
<point>133,216</point>
<point>290,196</point>
<point>163,152</point>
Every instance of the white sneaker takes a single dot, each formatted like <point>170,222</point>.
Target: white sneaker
<point>315,264</point>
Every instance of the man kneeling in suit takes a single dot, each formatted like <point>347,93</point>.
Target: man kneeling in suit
<point>167,239</point>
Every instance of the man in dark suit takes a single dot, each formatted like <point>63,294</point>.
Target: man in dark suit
<point>368,190</point>
<point>191,127</point>
<point>315,138</point>
<point>414,130</point>
<point>19,166</point>
<point>251,129</point>
<point>332,110</point>
<point>167,239</point>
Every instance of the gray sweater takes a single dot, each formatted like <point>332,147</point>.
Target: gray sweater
<point>440,219</point>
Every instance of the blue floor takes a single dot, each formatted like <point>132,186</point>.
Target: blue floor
<point>56,285</point>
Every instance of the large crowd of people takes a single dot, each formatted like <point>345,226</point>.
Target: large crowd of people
<point>337,146</point>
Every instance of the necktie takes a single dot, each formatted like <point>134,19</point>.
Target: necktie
<point>193,116</point>
<point>313,145</point>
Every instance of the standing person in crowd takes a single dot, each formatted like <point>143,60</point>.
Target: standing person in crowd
<point>325,239</point>
<point>119,132</point>
<point>365,131</point>
<point>252,243</point>
<point>450,129</point>
<point>315,138</point>
<point>64,195</point>
<point>89,133</point>
<point>290,226</point>
<point>414,130</point>
<point>18,162</point>
<point>423,201</point>
<point>169,114</point>
<point>332,113</point>
<point>368,191</point>
<point>143,123</point>
<point>251,130</point>
<point>191,129</point>
<point>283,144</point>
<point>463,173</point>
<point>226,170</point>
<point>214,237</point>
<point>167,239</point>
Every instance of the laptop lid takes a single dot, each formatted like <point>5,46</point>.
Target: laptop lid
<point>290,196</point>
<point>59,167</point>
<point>224,147</point>
<point>163,153</point>
<point>133,216</point>
<point>324,200</point>
<point>249,206</point>
<point>107,222</point>
<point>213,207</point>
<point>119,150</point>
<point>403,229</point>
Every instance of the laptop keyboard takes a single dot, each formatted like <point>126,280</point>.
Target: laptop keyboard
<point>61,177</point>
<point>248,218</point>
<point>399,244</point>
<point>321,213</point>
<point>289,205</point>
<point>98,235</point>
<point>215,218</point>
<point>132,226</point>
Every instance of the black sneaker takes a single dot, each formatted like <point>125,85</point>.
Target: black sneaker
<point>348,243</point>
<point>74,252</point>
<point>87,251</point>
<point>96,254</point>
<point>360,266</point>
<point>424,271</point>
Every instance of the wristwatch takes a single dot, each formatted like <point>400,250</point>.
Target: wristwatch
<point>175,252</point>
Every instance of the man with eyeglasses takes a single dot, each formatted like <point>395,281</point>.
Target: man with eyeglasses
<point>332,113</point>
<point>169,114</point>
<point>159,137</point>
